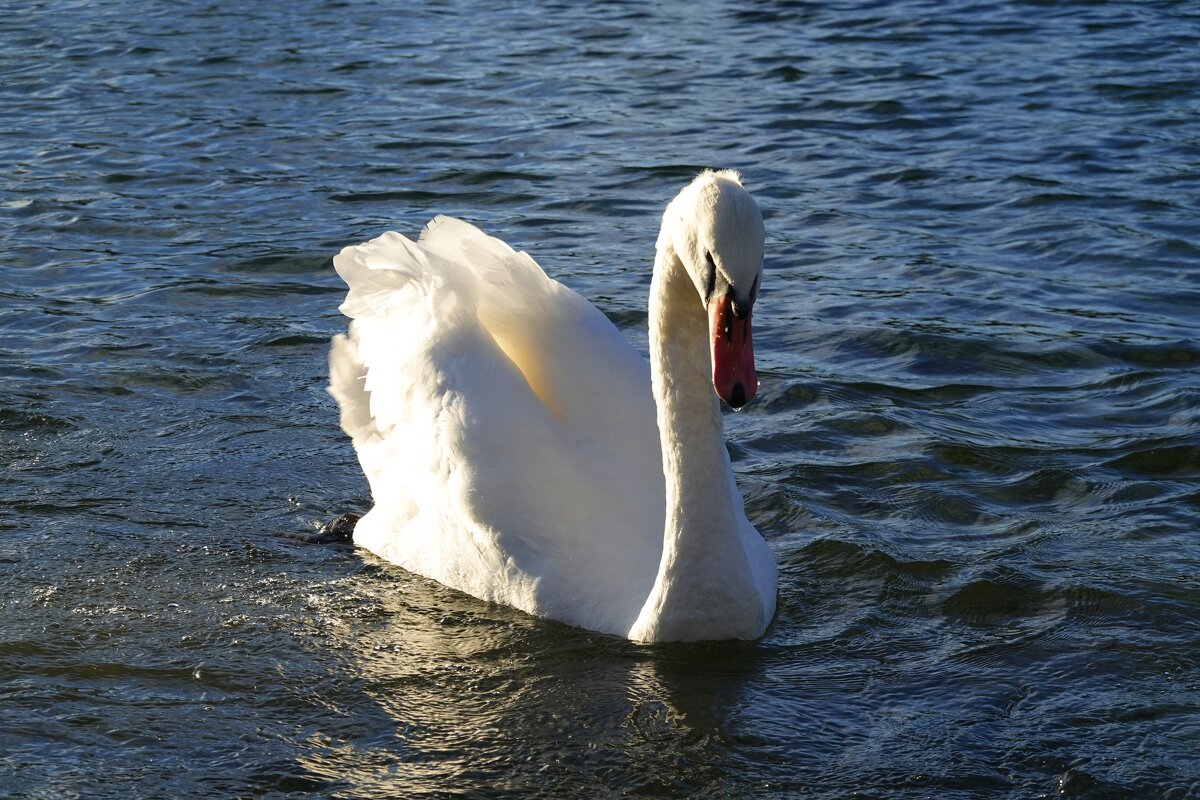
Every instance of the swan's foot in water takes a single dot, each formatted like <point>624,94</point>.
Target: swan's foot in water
<point>339,529</point>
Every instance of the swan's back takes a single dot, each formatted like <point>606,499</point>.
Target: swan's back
<point>506,427</point>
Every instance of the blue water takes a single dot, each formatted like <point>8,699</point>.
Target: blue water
<point>975,453</point>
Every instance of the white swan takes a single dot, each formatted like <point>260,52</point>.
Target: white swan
<point>521,451</point>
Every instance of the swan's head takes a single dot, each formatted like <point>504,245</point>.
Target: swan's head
<point>715,229</point>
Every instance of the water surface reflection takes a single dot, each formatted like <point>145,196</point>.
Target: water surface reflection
<point>481,697</point>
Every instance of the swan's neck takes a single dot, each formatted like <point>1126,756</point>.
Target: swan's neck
<point>705,588</point>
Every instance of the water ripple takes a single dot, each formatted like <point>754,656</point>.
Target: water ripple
<point>975,451</point>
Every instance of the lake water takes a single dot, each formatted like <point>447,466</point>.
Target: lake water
<point>975,453</point>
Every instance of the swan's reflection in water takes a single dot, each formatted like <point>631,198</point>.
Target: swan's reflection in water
<point>448,696</point>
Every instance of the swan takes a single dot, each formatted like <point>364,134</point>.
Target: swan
<point>520,450</point>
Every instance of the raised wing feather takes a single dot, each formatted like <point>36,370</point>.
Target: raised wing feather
<point>507,429</point>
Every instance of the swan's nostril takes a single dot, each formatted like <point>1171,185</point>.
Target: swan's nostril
<point>737,397</point>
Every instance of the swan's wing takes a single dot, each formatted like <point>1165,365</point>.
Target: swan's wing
<point>506,427</point>
<point>573,358</point>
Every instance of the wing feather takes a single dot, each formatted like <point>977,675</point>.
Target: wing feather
<point>506,427</point>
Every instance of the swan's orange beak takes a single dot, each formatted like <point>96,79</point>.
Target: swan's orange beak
<point>733,374</point>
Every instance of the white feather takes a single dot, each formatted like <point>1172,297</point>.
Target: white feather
<point>507,429</point>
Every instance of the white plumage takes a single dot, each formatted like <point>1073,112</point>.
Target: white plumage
<point>512,442</point>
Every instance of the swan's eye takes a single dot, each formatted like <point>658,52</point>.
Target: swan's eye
<point>711,281</point>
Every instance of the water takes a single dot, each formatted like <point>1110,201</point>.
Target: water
<point>976,451</point>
